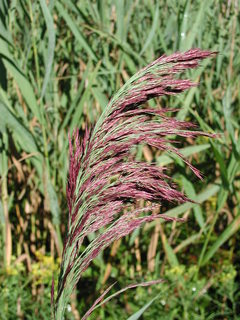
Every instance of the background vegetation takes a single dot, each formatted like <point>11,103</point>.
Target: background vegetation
<point>60,62</point>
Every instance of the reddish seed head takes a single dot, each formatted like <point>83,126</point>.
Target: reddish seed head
<point>105,180</point>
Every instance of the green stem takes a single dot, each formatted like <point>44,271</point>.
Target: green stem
<point>41,107</point>
<point>34,45</point>
<point>7,236</point>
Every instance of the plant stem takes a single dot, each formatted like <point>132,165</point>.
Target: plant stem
<point>7,236</point>
<point>34,45</point>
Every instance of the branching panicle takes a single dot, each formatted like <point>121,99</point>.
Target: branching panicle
<point>105,180</point>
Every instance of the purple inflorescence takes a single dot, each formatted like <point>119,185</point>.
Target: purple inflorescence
<point>105,180</point>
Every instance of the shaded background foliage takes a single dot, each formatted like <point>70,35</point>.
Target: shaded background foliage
<point>60,62</point>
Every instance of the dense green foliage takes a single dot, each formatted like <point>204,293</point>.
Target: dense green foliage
<point>60,62</point>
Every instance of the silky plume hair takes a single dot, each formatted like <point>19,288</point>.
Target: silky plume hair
<point>105,180</point>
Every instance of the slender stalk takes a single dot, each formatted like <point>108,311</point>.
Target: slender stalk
<point>42,111</point>
<point>34,44</point>
<point>7,235</point>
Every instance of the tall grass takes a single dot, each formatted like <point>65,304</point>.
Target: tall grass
<point>60,63</point>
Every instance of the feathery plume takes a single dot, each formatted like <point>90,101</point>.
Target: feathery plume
<point>105,180</point>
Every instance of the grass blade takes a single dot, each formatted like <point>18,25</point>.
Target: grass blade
<point>227,233</point>
<point>190,192</point>
<point>21,135</point>
<point>140,312</point>
<point>194,30</point>
<point>152,31</point>
<point>79,109</point>
<point>75,30</point>
<point>51,45</point>
<point>22,82</point>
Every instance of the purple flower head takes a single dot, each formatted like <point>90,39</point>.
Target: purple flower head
<point>105,180</point>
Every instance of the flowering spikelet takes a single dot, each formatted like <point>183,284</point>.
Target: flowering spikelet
<point>105,178</point>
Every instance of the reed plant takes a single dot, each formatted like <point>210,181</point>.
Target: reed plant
<point>105,181</point>
<point>60,63</point>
